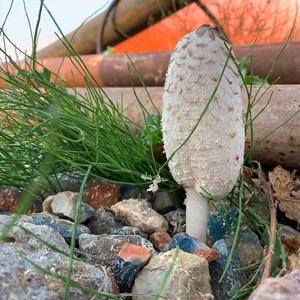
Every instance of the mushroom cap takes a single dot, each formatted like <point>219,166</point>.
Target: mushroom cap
<point>213,156</point>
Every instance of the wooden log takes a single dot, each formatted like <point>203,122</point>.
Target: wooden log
<point>280,148</point>
<point>131,16</point>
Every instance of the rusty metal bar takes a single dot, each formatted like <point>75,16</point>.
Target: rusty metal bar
<point>151,67</point>
<point>130,15</point>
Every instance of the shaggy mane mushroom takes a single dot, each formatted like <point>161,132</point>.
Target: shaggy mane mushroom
<point>211,159</point>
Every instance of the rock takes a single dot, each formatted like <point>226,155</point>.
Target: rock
<point>249,249</point>
<point>137,213</point>
<point>160,239</point>
<point>282,288</point>
<point>293,260</point>
<point>163,202</point>
<point>233,281</point>
<point>129,192</point>
<point>176,220</point>
<point>7,219</point>
<point>290,237</point>
<point>19,279</point>
<point>104,221</point>
<point>192,245</point>
<point>9,198</point>
<point>130,259</point>
<point>220,224</point>
<point>64,205</point>
<point>286,191</point>
<point>68,181</point>
<point>100,195</point>
<point>103,249</point>
<point>28,242</point>
<point>188,279</point>
<point>63,227</point>
<point>129,230</point>
<point>47,204</point>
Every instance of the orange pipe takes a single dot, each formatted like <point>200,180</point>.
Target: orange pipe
<point>151,67</point>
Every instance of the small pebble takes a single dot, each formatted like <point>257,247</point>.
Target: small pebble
<point>160,240</point>
<point>176,220</point>
<point>103,249</point>
<point>64,205</point>
<point>104,221</point>
<point>163,202</point>
<point>129,192</point>
<point>290,237</point>
<point>130,259</point>
<point>129,230</point>
<point>192,245</point>
<point>137,213</point>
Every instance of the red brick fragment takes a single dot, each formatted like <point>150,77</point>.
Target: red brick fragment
<point>160,239</point>
<point>101,195</point>
<point>131,251</point>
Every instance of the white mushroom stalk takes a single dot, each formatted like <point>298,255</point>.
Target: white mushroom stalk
<point>202,95</point>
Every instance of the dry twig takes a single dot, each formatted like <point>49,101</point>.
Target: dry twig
<point>267,188</point>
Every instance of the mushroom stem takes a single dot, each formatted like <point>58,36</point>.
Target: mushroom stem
<point>196,215</point>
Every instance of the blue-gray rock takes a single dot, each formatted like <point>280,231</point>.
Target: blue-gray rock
<point>63,227</point>
<point>129,230</point>
<point>103,222</point>
<point>249,249</point>
<point>64,205</point>
<point>234,279</point>
<point>19,279</point>
<point>103,249</point>
<point>163,202</point>
<point>176,220</point>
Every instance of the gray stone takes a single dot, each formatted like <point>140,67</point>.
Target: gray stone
<point>129,230</point>
<point>163,202</point>
<point>63,227</point>
<point>103,222</point>
<point>176,220</point>
<point>189,278</point>
<point>64,205</point>
<point>20,279</point>
<point>22,235</point>
<point>103,249</point>
<point>137,213</point>
<point>68,181</point>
